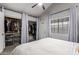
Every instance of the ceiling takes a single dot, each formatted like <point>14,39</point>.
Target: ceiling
<point>26,7</point>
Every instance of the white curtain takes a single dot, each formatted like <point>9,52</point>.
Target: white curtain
<point>2,34</point>
<point>24,30</point>
<point>73,24</point>
<point>49,25</point>
<point>3,10</point>
<point>37,29</point>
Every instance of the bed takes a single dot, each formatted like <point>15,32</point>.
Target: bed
<point>46,46</point>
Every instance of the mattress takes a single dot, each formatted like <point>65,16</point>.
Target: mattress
<point>46,46</point>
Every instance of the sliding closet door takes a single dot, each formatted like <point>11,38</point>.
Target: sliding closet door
<point>2,36</point>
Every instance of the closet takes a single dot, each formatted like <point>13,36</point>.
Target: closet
<point>32,30</point>
<point>12,31</point>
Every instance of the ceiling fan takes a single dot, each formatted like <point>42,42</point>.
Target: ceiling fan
<point>40,4</point>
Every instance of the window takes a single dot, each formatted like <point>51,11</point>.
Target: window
<point>60,25</point>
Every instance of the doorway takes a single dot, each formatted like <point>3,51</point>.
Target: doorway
<point>12,31</point>
<point>12,27</point>
<point>32,30</point>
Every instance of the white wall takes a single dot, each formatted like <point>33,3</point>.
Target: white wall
<point>30,18</point>
<point>43,28</point>
<point>17,15</point>
<point>12,14</point>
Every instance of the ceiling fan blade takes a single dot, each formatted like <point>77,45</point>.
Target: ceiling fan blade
<point>34,5</point>
<point>43,7</point>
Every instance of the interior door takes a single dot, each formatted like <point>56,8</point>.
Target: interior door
<point>2,36</point>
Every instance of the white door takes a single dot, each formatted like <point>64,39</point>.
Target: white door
<point>2,36</point>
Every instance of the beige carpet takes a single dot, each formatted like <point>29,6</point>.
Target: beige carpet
<point>9,49</point>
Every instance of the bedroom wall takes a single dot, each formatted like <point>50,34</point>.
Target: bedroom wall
<point>32,18</point>
<point>17,15</point>
<point>44,28</point>
<point>12,14</point>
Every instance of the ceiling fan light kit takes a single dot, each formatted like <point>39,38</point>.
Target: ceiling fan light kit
<point>40,4</point>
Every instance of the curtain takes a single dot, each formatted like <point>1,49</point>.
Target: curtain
<point>49,25</point>
<point>37,28</point>
<point>24,29</point>
<point>73,25</point>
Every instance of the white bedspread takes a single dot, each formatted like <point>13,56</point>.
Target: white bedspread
<point>46,46</point>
